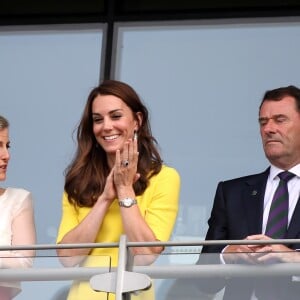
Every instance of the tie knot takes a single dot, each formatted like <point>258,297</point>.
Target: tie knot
<point>286,176</point>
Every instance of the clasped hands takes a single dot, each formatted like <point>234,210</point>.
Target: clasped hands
<point>259,253</point>
<point>123,174</point>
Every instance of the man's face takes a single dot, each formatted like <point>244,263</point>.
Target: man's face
<point>280,132</point>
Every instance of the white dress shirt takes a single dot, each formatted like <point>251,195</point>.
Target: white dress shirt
<point>272,183</point>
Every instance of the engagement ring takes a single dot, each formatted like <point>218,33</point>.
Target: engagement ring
<point>125,163</point>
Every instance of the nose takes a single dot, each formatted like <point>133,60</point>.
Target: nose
<point>4,154</point>
<point>107,124</point>
<point>269,127</point>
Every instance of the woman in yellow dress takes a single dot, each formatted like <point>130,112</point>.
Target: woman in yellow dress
<point>116,184</point>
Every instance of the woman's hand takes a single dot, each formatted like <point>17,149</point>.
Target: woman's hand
<point>123,174</point>
<point>125,169</point>
<point>109,192</point>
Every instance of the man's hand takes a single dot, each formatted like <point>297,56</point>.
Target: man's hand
<point>239,254</point>
<point>272,252</point>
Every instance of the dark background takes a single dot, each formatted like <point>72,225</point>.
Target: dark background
<point>29,12</point>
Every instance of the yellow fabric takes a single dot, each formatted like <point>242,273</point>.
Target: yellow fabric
<point>159,207</point>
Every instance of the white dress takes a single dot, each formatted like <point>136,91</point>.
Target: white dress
<point>13,203</point>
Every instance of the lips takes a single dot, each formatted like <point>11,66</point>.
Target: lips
<point>271,143</point>
<point>111,137</point>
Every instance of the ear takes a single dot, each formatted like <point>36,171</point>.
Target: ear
<point>139,119</point>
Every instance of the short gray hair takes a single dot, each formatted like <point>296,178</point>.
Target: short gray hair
<point>3,122</point>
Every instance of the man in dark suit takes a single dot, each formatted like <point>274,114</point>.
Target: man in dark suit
<point>241,206</point>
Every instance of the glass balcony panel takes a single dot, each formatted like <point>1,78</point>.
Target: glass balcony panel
<point>48,279</point>
<point>178,273</point>
<point>193,276</point>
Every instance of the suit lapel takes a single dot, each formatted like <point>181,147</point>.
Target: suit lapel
<point>254,201</point>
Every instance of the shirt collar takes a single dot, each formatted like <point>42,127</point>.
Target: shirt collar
<point>274,171</point>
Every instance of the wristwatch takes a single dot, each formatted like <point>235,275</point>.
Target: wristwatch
<point>127,202</point>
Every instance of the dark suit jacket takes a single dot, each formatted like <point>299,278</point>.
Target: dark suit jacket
<point>238,212</point>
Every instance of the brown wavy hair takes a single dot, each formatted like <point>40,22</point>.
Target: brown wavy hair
<point>86,175</point>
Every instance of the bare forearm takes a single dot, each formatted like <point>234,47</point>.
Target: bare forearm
<point>137,230</point>
<point>16,259</point>
<point>135,226</point>
<point>86,231</point>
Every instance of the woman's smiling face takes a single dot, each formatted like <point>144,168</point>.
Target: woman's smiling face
<point>113,122</point>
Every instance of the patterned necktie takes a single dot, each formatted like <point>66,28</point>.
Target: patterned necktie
<point>278,215</point>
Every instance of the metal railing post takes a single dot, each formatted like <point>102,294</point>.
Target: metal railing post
<point>123,281</point>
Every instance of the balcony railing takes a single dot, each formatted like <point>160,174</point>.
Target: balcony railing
<point>176,273</point>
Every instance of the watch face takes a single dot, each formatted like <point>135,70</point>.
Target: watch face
<point>128,202</point>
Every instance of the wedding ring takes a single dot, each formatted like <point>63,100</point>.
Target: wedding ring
<point>125,163</point>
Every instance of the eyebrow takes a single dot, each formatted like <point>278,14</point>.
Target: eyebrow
<point>111,112</point>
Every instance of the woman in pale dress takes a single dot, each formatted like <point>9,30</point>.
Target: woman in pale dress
<point>16,221</point>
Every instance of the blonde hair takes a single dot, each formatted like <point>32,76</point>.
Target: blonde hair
<point>3,122</point>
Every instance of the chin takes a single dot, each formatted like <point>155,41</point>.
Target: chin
<point>273,151</point>
<point>272,156</point>
<point>110,150</point>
